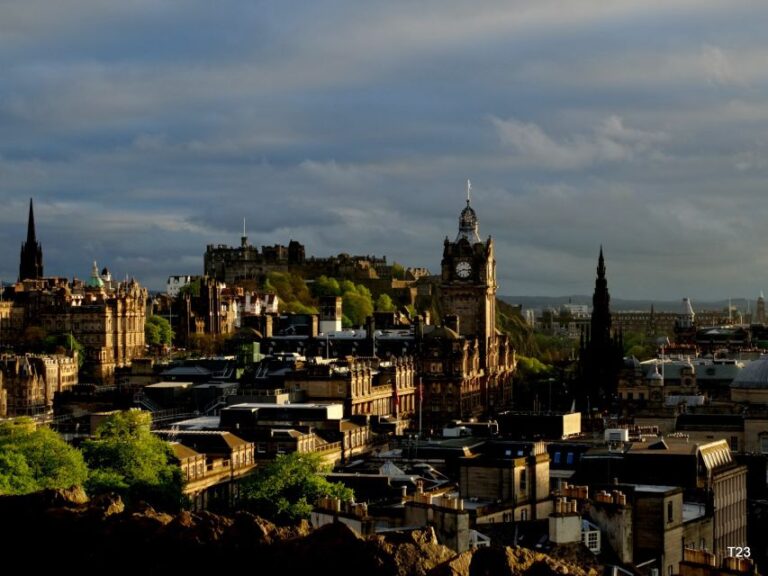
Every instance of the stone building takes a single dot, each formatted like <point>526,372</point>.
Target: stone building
<point>512,476</point>
<point>29,383</point>
<point>707,473</point>
<point>105,316</point>
<point>466,364</point>
<point>364,386</point>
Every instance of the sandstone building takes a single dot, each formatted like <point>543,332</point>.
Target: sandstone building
<point>105,316</point>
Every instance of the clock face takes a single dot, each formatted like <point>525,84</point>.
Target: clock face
<point>463,269</point>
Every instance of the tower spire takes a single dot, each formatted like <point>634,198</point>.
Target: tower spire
<point>601,264</point>
<point>31,261</point>
<point>31,239</point>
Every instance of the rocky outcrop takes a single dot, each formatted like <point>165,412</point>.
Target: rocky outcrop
<point>105,537</point>
<point>508,561</point>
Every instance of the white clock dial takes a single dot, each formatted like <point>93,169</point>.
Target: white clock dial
<point>463,269</point>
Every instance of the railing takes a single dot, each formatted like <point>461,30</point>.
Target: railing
<point>330,447</point>
<point>142,400</point>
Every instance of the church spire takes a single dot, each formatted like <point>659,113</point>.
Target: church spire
<point>31,225</point>
<point>31,261</point>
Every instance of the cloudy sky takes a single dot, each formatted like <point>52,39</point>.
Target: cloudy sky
<point>147,129</point>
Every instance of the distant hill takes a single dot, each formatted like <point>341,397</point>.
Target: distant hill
<point>539,302</point>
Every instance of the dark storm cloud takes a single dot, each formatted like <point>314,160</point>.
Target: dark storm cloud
<point>146,130</point>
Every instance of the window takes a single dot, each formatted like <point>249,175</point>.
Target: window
<point>524,515</point>
<point>630,395</point>
<point>569,458</point>
<point>734,443</point>
<point>592,542</point>
<point>556,458</point>
<point>523,480</point>
<point>670,510</point>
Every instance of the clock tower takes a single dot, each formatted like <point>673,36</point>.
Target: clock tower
<point>468,284</point>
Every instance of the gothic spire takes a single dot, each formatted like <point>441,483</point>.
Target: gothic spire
<point>601,304</point>
<point>31,225</point>
<point>31,261</point>
<point>601,264</point>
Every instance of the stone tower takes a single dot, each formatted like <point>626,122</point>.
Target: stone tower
<point>31,261</point>
<point>601,353</point>
<point>468,284</point>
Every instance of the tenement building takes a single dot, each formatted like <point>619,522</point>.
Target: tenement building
<point>29,382</point>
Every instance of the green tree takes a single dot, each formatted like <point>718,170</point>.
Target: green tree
<point>356,308</point>
<point>62,343</point>
<point>33,459</point>
<point>157,331</point>
<point>398,271</point>
<point>325,286</point>
<point>291,290</point>
<point>286,489</point>
<point>125,457</point>
<point>384,303</point>
<point>193,289</point>
<point>639,346</point>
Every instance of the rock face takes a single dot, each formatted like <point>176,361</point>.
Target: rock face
<point>56,528</point>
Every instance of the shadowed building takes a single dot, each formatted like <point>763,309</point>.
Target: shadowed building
<point>600,355</point>
<point>31,261</point>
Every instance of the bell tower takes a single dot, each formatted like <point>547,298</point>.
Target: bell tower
<point>468,283</point>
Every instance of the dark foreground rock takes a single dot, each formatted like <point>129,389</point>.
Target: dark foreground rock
<point>63,530</point>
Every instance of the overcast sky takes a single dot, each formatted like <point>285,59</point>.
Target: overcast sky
<point>146,129</point>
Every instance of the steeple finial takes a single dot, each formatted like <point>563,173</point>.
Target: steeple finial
<point>601,264</point>
<point>469,190</point>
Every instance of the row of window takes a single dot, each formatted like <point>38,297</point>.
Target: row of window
<point>558,459</point>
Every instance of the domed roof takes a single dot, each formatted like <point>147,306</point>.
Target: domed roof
<point>95,280</point>
<point>655,376</point>
<point>468,222</point>
<point>753,375</point>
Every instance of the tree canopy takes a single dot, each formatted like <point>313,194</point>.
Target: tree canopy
<point>292,292</point>
<point>157,331</point>
<point>33,459</point>
<point>286,489</point>
<point>384,303</point>
<point>125,457</point>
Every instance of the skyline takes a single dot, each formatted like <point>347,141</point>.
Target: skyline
<point>147,130</point>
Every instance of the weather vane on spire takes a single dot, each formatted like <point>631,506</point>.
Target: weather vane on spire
<point>469,190</point>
